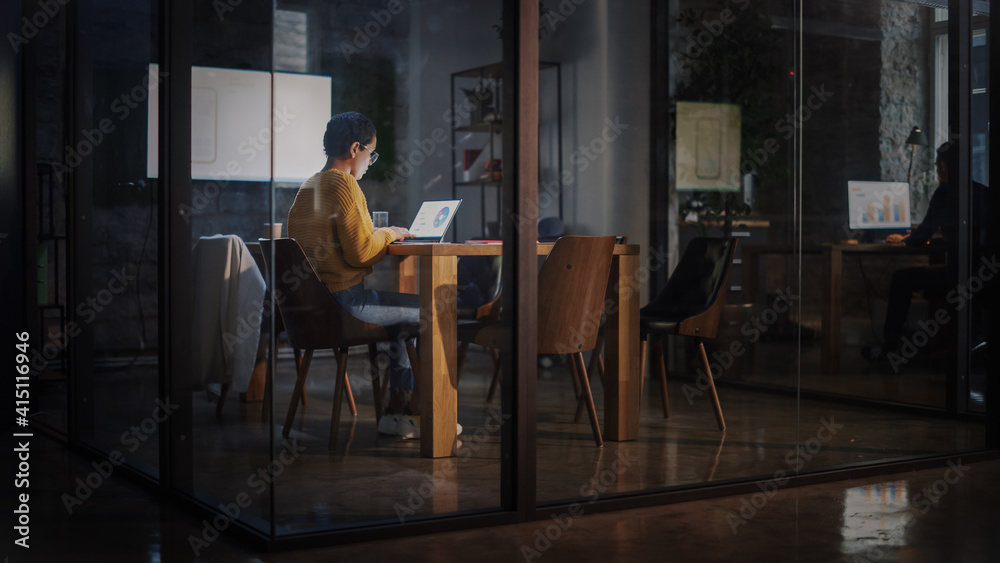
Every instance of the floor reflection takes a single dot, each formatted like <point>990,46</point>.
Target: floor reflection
<point>373,477</point>
<point>876,516</point>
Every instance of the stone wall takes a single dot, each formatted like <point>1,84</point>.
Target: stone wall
<point>904,101</point>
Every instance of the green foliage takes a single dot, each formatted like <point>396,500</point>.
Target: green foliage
<point>368,86</point>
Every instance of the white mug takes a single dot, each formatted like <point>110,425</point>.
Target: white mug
<point>272,230</point>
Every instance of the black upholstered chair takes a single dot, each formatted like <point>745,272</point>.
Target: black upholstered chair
<point>690,305</point>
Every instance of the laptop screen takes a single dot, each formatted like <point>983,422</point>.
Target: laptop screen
<point>434,218</point>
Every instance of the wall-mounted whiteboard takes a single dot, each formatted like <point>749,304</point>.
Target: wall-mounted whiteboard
<point>302,105</point>
<point>708,146</point>
<point>235,126</point>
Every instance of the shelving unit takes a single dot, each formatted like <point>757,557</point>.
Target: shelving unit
<point>50,304</point>
<point>476,142</point>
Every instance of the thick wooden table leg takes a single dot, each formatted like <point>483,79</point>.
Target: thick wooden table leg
<point>438,379</point>
<point>408,274</point>
<point>621,352</point>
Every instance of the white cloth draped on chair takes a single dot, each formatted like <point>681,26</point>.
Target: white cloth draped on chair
<point>228,301</point>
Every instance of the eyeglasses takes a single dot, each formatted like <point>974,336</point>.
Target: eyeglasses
<point>372,155</point>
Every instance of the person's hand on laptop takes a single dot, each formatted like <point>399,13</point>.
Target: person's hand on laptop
<point>400,232</point>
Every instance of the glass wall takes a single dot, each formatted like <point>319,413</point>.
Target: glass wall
<point>260,109</point>
<point>428,75</point>
<point>876,322</point>
<point>95,246</point>
<point>878,234</point>
<point>804,131</point>
<point>822,138</point>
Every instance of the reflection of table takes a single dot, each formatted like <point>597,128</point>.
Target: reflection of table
<point>435,277</point>
<point>833,255</point>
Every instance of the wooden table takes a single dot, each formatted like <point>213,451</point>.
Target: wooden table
<point>432,271</point>
<point>833,259</point>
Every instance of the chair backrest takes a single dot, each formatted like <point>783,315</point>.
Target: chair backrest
<point>571,287</point>
<point>313,319</point>
<point>258,257</point>
<point>696,291</point>
<point>486,273</point>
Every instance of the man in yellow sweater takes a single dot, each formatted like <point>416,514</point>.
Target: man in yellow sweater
<point>330,219</point>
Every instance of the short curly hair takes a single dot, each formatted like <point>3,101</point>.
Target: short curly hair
<point>947,151</point>
<point>344,129</point>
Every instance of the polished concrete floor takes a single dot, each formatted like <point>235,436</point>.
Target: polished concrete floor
<point>373,478</point>
<point>942,514</point>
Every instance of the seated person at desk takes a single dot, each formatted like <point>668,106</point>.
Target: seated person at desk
<point>929,279</point>
<point>330,219</point>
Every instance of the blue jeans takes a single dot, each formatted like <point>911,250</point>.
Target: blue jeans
<point>386,308</point>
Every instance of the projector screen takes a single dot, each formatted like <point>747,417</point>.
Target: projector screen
<point>234,124</point>
<point>879,205</point>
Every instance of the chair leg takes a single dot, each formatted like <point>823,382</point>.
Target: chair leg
<point>222,398</point>
<point>711,387</point>
<point>642,367</point>
<point>349,394</point>
<point>338,398</point>
<point>661,366</point>
<point>578,380</point>
<point>591,409</point>
<point>497,374</point>
<point>298,362</point>
<point>597,358</point>
<point>300,386</point>
<point>385,385</point>
<point>375,377</point>
<point>411,351</point>
<point>463,350</point>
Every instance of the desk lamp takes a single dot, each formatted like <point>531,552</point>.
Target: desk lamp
<point>917,137</point>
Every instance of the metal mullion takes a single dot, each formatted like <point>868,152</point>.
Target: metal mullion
<point>993,243</point>
<point>959,168</point>
<point>174,242</point>
<point>520,272</point>
<point>79,213</point>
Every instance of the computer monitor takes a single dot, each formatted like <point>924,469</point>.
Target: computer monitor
<point>879,205</point>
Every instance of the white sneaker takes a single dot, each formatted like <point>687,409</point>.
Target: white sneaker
<point>408,427</point>
<point>387,424</point>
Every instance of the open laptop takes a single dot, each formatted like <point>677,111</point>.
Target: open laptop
<point>432,221</point>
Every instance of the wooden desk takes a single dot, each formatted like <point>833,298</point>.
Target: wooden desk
<point>833,259</point>
<point>435,278</point>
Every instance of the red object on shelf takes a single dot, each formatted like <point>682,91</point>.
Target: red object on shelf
<point>469,156</point>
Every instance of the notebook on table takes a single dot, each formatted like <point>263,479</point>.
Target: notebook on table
<point>432,221</point>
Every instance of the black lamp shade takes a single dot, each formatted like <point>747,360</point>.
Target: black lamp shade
<point>917,137</point>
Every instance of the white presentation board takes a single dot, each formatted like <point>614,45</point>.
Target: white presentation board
<point>234,124</point>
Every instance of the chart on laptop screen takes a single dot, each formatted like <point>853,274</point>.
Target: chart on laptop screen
<point>879,205</point>
<point>433,218</point>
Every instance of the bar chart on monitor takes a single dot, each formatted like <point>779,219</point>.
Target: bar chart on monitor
<point>879,205</point>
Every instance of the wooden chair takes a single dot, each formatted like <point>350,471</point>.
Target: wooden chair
<point>315,321</point>
<point>690,305</point>
<point>571,286</point>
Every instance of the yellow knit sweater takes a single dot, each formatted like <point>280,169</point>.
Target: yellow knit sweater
<point>330,219</point>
